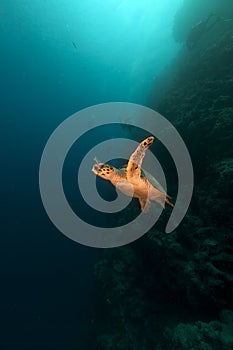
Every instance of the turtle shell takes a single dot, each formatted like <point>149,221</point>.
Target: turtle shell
<point>148,176</point>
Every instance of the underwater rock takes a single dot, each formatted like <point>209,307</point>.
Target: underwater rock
<point>201,335</point>
<point>192,12</point>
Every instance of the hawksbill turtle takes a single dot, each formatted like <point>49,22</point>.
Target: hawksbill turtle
<point>134,181</point>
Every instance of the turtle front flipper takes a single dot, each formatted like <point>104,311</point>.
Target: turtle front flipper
<point>133,169</point>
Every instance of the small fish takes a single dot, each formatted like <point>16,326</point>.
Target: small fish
<point>74,45</point>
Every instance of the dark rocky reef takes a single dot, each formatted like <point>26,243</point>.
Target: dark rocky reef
<point>174,292</point>
<point>192,12</point>
<point>201,335</point>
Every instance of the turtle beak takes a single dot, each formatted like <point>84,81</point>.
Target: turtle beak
<point>96,168</point>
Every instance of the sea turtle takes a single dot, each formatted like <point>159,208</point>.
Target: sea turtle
<point>132,180</point>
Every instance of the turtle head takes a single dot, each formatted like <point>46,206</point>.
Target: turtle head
<point>104,170</point>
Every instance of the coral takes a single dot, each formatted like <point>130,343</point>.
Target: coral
<point>214,335</point>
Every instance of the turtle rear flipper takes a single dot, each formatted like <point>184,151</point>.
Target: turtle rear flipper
<point>167,200</point>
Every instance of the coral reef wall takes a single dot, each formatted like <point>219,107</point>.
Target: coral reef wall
<point>175,291</point>
<point>192,12</point>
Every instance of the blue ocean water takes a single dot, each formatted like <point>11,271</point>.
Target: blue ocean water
<point>58,57</point>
